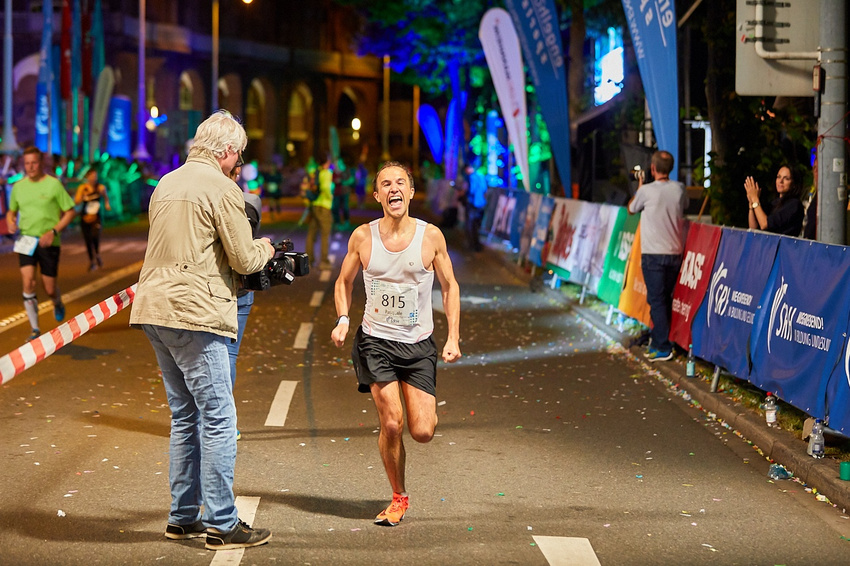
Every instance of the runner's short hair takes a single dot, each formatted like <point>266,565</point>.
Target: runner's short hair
<point>387,165</point>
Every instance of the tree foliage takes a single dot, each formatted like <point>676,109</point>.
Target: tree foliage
<point>422,37</point>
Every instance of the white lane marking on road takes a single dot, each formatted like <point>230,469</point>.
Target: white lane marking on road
<point>247,508</point>
<point>45,306</point>
<point>280,404</point>
<point>316,299</point>
<point>324,275</point>
<point>303,336</point>
<point>567,551</point>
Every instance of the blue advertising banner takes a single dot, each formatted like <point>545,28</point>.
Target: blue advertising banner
<point>518,220</point>
<point>724,321</point>
<point>536,23</point>
<point>652,25</point>
<point>118,127</point>
<point>541,231</point>
<point>503,219</point>
<point>798,328</point>
<point>835,391</point>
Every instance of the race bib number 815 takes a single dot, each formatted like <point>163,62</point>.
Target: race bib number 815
<point>394,303</point>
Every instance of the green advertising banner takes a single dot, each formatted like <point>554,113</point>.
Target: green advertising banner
<point>619,247</point>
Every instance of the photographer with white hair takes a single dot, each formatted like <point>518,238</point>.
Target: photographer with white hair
<point>199,240</point>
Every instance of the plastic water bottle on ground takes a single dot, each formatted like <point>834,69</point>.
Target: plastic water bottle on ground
<point>816,441</point>
<point>691,366</point>
<point>770,410</point>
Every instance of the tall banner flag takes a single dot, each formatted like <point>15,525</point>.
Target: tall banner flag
<point>105,86</point>
<point>46,122</point>
<point>723,323</point>
<point>537,24</point>
<point>119,126</point>
<point>65,43</point>
<point>501,49</point>
<point>429,121</point>
<point>652,25</point>
<point>98,56</point>
<point>698,260</point>
<point>87,86</point>
<point>798,332</point>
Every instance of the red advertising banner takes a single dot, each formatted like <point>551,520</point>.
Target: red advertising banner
<point>633,298</point>
<point>694,276</point>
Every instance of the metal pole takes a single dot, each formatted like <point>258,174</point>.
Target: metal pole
<point>385,130</point>
<point>8,145</point>
<point>416,95</point>
<point>215,47</point>
<point>141,152</point>
<point>832,175</point>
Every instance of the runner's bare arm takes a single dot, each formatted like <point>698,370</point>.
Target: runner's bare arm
<point>12,221</point>
<point>450,289</point>
<point>345,282</point>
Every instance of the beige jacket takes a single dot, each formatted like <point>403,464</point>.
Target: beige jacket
<point>199,235</point>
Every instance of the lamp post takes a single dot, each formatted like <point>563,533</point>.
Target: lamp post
<point>8,145</point>
<point>215,51</point>
<point>141,152</point>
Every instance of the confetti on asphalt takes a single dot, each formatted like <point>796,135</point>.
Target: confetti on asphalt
<point>60,513</point>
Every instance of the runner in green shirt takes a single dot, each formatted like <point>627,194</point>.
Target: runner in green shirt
<point>45,209</point>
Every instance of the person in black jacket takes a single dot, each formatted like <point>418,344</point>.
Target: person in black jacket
<point>786,211</point>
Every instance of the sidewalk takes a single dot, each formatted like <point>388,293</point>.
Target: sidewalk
<point>777,444</point>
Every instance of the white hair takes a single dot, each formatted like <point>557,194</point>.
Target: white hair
<point>218,133</point>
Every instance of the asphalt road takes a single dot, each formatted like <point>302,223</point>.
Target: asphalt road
<point>550,437</point>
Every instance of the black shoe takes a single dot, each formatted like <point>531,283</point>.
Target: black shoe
<point>242,536</point>
<point>182,532</point>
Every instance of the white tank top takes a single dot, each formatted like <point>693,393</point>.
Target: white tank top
<point>398,290</point>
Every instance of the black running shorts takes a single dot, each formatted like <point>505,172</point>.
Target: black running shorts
<point>46,258</point>
<point>377,360</point>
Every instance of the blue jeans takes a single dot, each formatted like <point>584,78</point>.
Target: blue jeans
<point>203,425</point>
<point>659,274</point>
<point>243,305</point>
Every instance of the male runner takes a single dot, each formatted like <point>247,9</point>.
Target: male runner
<point>394,353</point>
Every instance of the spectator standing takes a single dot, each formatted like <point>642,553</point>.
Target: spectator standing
<point>186,304</point>
<point>343,183</point>
<point>786,211</point>
<point>361,177</point>
<point>476,202</point>
<point>45,210</point>
<point>662,205</point>
<point>90,193</point>
<point>320,214</point>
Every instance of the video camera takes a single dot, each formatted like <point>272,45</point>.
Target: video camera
<point>282,268</point>
<point>640,175</point>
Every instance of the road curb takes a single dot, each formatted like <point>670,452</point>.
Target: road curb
<point>776,444</point>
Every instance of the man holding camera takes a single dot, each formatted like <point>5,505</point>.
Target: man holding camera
<point>394,353</point>
<point>186,303</point>
<point>662,203</point>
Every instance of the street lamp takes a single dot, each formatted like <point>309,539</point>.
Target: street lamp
<point>141,152</point>
<point>8,145</point>
<point>215,48</point>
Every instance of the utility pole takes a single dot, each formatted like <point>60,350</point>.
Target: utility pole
<point>832,171</point>
<point>8,145</point>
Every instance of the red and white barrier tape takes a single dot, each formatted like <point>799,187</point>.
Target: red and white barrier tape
<point>33,352</point>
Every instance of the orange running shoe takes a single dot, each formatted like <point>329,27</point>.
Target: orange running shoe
<point>392,515</point>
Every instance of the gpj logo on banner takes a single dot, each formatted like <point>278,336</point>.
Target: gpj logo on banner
<point>789,324</point>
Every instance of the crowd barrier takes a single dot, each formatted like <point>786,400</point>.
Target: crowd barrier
<point>773,310</point>
<point>45,345</point>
